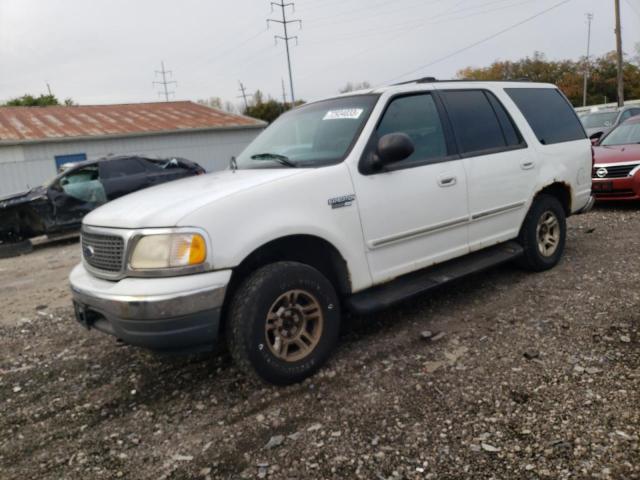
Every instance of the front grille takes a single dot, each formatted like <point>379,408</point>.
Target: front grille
<point>615,171</point>
<point>103,252</point>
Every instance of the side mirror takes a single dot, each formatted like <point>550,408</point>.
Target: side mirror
<point>595,138</point>
<point>391,148</point>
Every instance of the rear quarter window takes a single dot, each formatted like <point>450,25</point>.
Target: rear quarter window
<point>549,114</point>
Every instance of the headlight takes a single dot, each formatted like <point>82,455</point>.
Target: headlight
<point>168,251</point>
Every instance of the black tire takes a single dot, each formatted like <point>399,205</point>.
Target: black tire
<point>13,249</point>
<point>253,301</point>
<point>544,206</point>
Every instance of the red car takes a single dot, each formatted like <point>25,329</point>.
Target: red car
<point>616,169</point>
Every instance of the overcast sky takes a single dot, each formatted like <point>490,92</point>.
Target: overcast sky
<point>106,51</point>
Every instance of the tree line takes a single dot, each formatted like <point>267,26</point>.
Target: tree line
<point>568,75</point>
<point>41,100</point>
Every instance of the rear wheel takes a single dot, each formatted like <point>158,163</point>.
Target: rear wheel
<point>283,322</point>
<point>543,234</point>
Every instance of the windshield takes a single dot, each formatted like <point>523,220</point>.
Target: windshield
<point>317,134</point>
<point>597,120</point>
<point>623,135</point>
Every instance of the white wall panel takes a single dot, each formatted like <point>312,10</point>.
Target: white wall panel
<point>32,164</point>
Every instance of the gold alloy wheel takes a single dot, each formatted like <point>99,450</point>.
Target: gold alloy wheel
<point>548,233</point>
<point>294,325</point>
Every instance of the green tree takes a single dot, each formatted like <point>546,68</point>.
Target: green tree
<point>40,101</point>
<point>353,86</point>
<point>566,74</point>
<point>31,101</point>
<point>217,102</point>
<point>267,110</point>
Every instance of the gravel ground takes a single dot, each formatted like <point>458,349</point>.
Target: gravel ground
<point>533,376</point>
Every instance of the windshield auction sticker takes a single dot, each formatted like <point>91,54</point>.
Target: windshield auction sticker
<point>343,113</point>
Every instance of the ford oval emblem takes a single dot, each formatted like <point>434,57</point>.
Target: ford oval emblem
<point>88,251</point>
<point>602,172</point>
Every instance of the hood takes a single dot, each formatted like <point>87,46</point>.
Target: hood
<point>22,197</point>
<point>164,205</point>
<point>617,153</point>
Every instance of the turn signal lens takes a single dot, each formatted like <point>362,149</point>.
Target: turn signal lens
<point>169,251</point>
<point>187,249</point>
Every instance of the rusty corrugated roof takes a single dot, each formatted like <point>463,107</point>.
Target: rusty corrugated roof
<point>26,124</point>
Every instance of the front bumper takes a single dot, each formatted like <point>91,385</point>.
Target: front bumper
<point>626,188</point>
<point>173,313</point>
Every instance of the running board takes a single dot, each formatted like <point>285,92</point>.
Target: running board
<point>412,284</point>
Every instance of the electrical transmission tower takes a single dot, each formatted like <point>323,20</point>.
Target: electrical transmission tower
<point>286,38</point>
<point>586,63</point>
<point>244,95</point>
<point>164,82</point>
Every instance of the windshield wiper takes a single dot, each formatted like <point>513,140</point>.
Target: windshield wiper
<point>281,159</point>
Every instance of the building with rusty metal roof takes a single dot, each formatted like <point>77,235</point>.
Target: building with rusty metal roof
<point>36,141</point>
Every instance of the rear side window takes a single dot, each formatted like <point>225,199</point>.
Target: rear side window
<point>121,167</point>
<point>629,113</point>
<point>480,122</point>
<point>550,115</point>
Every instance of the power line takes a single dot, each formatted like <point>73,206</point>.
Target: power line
<point>412,26</point>
<point>633,8</point>
<point>164,82</point>
<point>479,42</point>
<point>286,38</point>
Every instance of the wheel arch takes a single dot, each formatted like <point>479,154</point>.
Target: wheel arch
<point>304,248</point>
<point>560,190</point>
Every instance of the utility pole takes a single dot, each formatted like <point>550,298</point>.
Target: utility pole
<point>244,95</point>
<point>49,90</point>
<point>286,38</point>
<point>619,54</point>
<point>586,62</point>
<point>284,94</point>
<point>164,82</point>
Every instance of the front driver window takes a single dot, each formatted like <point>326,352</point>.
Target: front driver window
<point>416,116</point>
<point>84,184</point>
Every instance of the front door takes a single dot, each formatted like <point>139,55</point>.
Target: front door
<point>414,213</point>
<point>75,194</point>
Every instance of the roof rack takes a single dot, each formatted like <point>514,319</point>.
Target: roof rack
<point>435,80</point>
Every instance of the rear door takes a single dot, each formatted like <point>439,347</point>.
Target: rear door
<point>121,176</point>
<point>501,169</point>
<point>161,171</point>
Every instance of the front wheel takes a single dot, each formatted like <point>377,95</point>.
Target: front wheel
<point>283,322</point>
<point>543,234</point>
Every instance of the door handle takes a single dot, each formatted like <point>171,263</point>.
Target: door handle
<point>447,181</point>
<point>527,165</point>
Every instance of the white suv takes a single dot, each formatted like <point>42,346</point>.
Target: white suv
<point>351,203</point>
